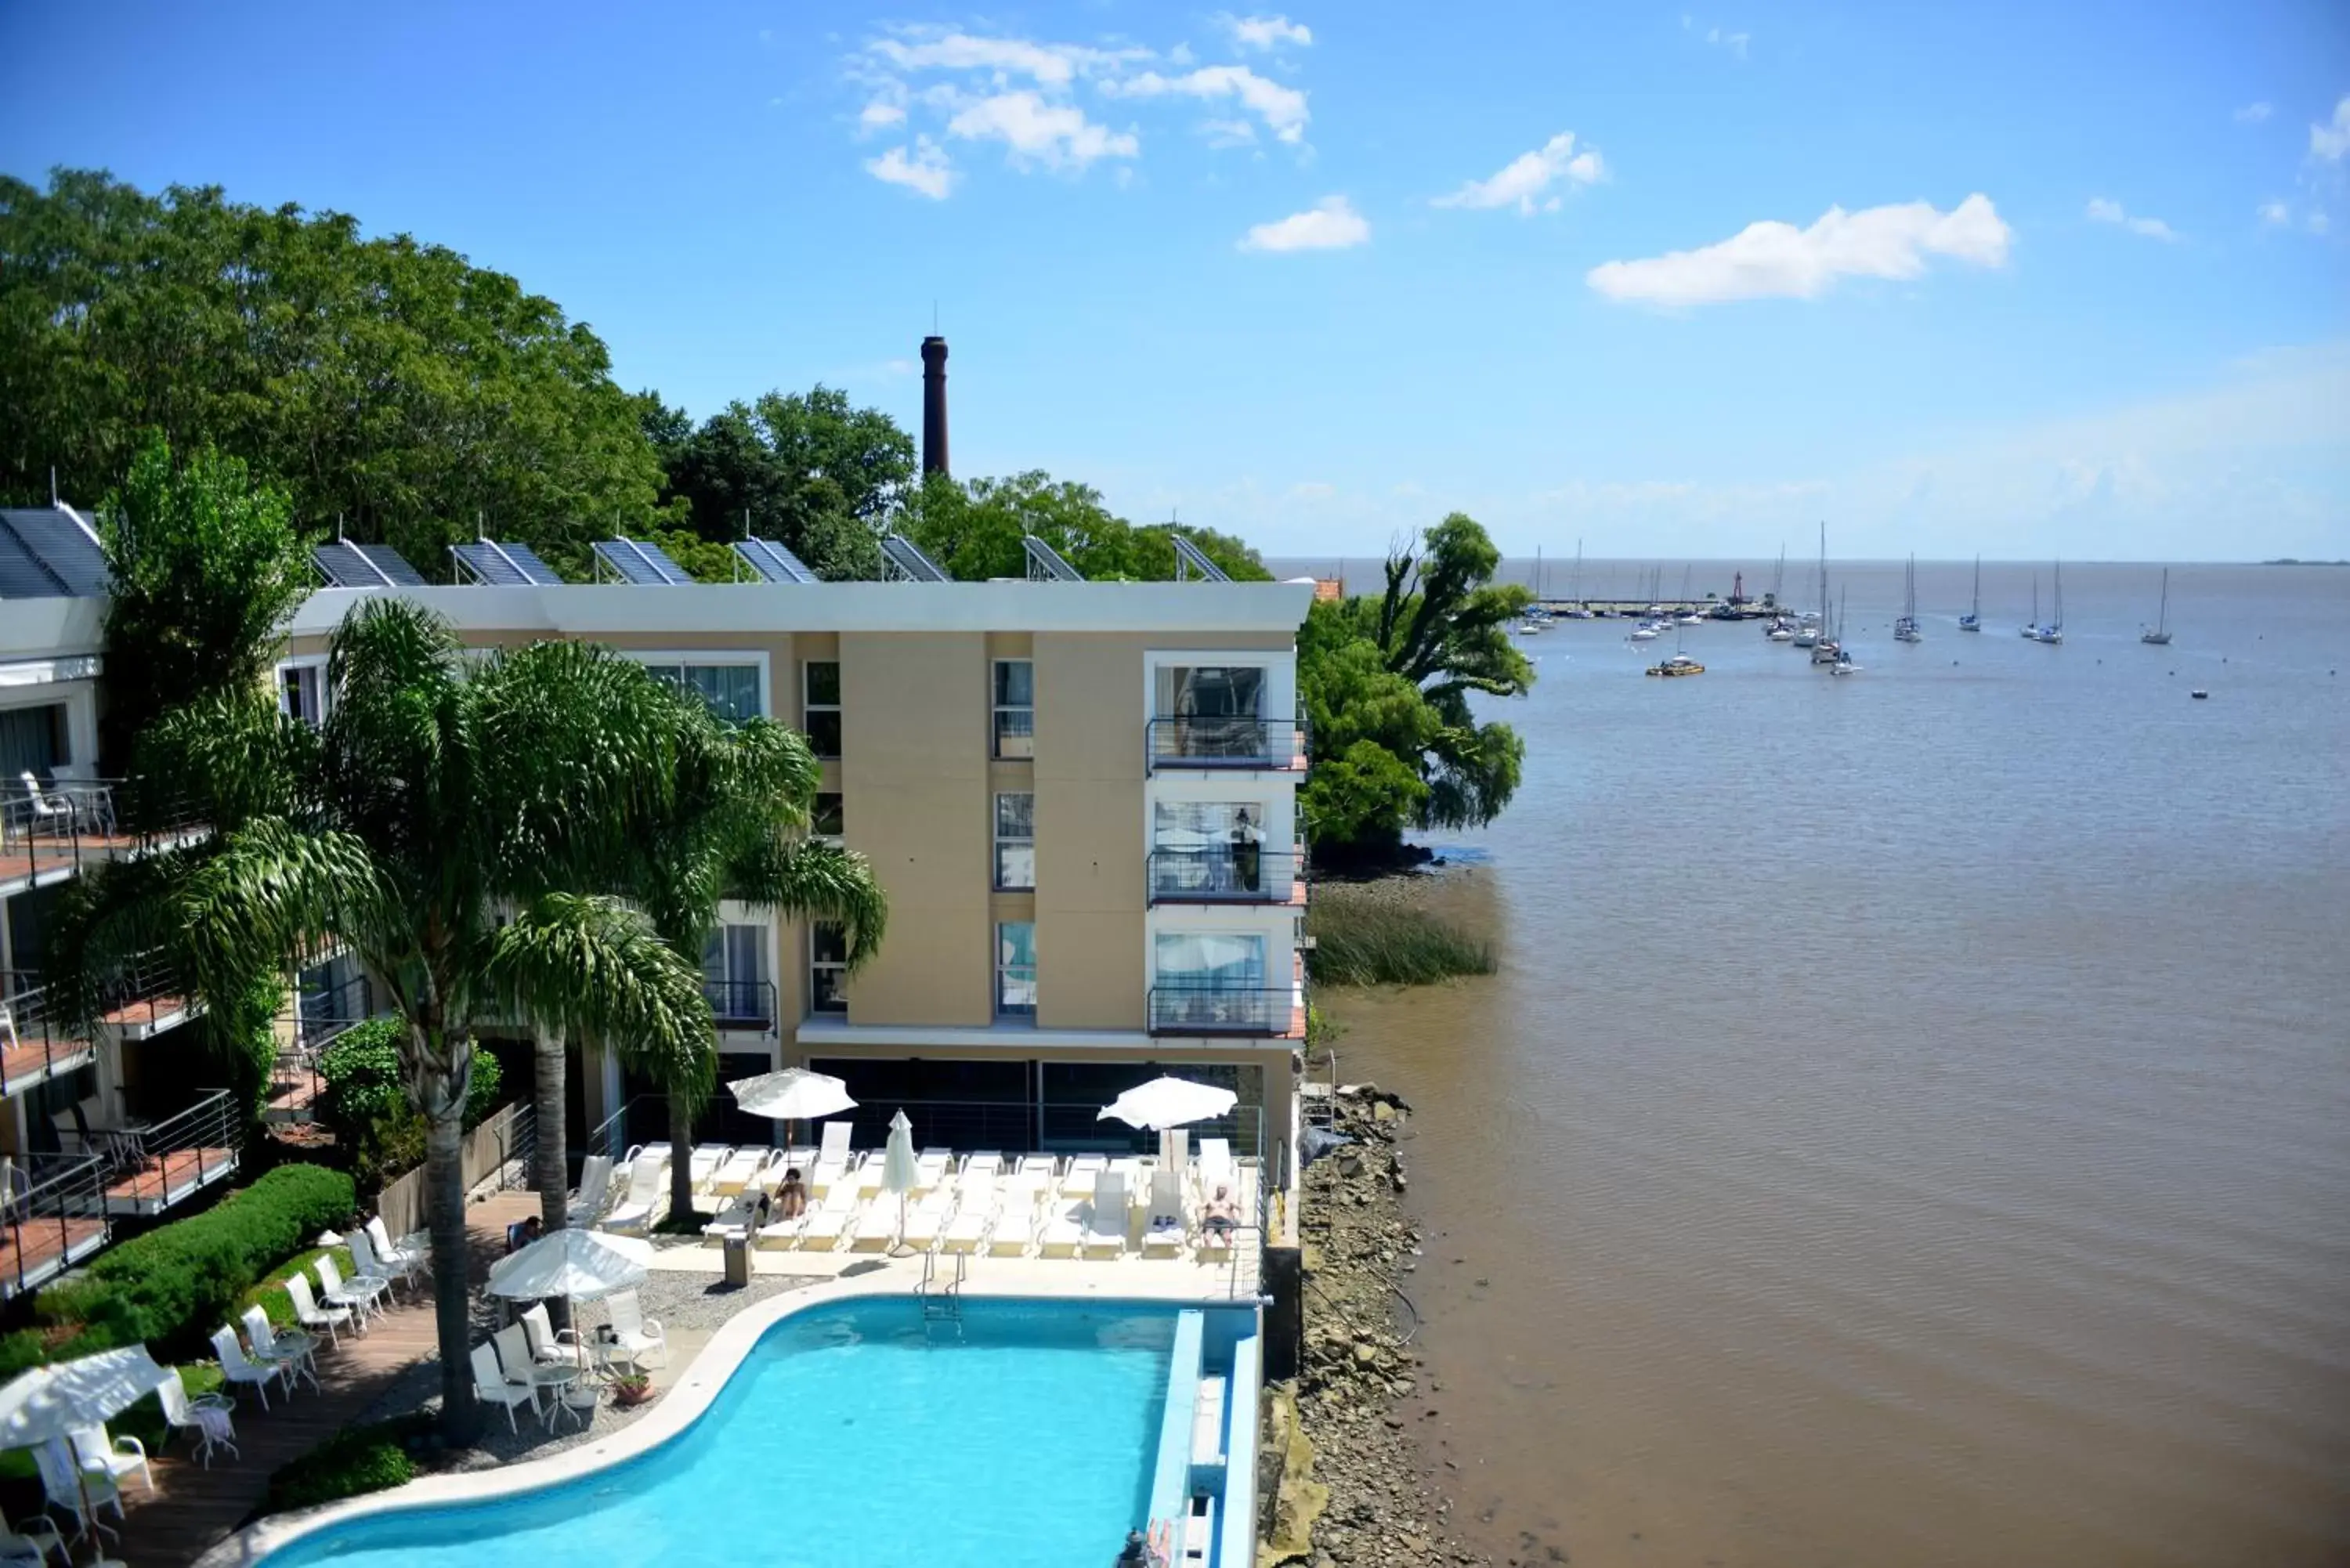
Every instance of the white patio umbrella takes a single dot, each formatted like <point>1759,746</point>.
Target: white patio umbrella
<point>47,1405</point>
<point>577,1265</point>
<point>1165,1103</point>
<point>900,1172</point>
<point>794,1094</point>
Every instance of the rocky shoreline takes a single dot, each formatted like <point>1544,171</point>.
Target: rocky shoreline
<point>1349,1489</point>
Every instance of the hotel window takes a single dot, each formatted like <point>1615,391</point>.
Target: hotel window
<point>1209,710</point>
<point>827,967</point>
<point>733,973</point>
<point>32,741</point>
<point>730,692</point>
<point>821,705</point>
<point>1016,969</point>
<point>1015,841</point>
<point>1208,846</point>
<point>825,821</point>
<point>1015,708</point>
<point>300,692</point>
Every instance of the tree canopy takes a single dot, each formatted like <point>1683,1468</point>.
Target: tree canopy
<point>973,529</point>
<point>385,382</point>
<point>1386,683</point>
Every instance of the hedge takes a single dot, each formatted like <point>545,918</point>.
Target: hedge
<point>373,1457</point>
<point>171,1288</point>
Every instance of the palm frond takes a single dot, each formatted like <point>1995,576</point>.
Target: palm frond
<point>274,892</point>
<point>593,966</point>
<point>815,878</point>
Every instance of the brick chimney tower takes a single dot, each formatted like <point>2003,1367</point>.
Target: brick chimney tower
<point>934,405</point>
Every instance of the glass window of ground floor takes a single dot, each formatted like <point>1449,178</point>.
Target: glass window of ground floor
<point>1018,1106</point>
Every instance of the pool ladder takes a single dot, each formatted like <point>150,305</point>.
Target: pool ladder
<point>941,1299</point>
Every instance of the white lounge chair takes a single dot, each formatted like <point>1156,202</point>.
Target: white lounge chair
<point>1012,1231</point>
<point>975,1213</point>
<point>29,1545</point>
<point>296,1359</point>
<point>490,1386</point>
<point>707,1160</point>
<point>982,1162</point>
<point>97,1450</point>
<point>1105,1220</point>
<point>367,1268</point>
<point>646,1200</point>
<point>1064,1232</point>
<point>829,1219</point>
<point>876,1228</point>
<point>1214,1167</point>
<point>208,1416</point>
<point>1037,1166</point>
<point>779,1234</point>
<point>308,1314</point>
<point>925,1220</point>
<point>737,1218</point>
<point>362,1295</point>
<point>834,1157</point>
<point>77,1491</point>
<point>633,1334</point>
<point>238,1371</point>
<point>740,1165</point>
<point>1077,1181</point>
<point>586,1204</point>
<point>1162,1233</point>
<point>409,1262</point>
<point>930,1170</point>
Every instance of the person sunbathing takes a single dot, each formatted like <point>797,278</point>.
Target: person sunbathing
<point>791,1197</point>
<point>1221,1215</point>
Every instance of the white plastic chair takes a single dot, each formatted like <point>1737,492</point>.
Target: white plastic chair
<point>549,1346</point>
<point>369,1269</point>
<point>238,1371</point>
<point>408,1260</point>
<point>80,1493</point>
<point>96,1449</point>
<point>307,1313</point>
<point>646,1197</point>
<point>594,1185</point>
<point>362,1295</point>
<point>1106,1221</point>
<point>30,1545</point>
<point>490,1386</point>
<point>206,1414</point>
<point>1163,1235</point>
<point>633,1334</point>
<point>292,1360</point>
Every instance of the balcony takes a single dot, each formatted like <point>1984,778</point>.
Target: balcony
<point>150,1166</point>
<point>41,1036</point>
<point>1228,874</point>
<point>52,1216</point>
<point>742,1006</point>
<point>1260,1012</point>
<point>1225,744</point>
<point>318,1018</point>
<point>49,832</point>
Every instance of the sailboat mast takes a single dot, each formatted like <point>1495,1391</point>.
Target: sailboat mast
<point>1977,605</point>
<point>2162,616</point>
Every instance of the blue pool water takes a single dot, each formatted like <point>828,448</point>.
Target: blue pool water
<point>851,1437</point>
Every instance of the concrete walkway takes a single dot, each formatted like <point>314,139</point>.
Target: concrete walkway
<point>193,1509</point>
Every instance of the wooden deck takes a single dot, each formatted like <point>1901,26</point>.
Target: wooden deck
<point>35,1250</point>
<point>193,1509</point>
<point>28,1062</point>
<point>164,1180</point>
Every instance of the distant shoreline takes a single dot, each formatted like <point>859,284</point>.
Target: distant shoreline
<point>2289,561</point>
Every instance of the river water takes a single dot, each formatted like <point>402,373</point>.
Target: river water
<point>1911,1121</point>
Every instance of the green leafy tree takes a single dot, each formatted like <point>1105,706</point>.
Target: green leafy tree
<point>384,382</point>
<point>439,798</point>
<point>974,529</point>
<point>1392,678</point>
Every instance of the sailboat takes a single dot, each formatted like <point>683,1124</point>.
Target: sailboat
<point>1580,610</point>
<point>1688,616</point>
<point>2032,628</point>
<point>1677,662</point>
<point>2160,636</point>
<point>1843,664</point>
<point>1906,628</point>
<point>1823,643</point>
<point>1972,619</point>
<point>2054,632</point>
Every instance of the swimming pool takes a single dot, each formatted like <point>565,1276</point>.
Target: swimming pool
<point>853,1436</point>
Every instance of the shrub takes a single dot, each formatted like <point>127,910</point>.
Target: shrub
<point>366,1101</point>
<point>373,1457</point>
<point>1370,941</point>
<point>174,1285</point>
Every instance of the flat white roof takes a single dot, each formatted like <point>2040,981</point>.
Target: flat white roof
<point>595,610</point>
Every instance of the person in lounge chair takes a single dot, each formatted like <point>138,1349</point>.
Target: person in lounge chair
<point>791,1197</point>
<point>1221,1215</point>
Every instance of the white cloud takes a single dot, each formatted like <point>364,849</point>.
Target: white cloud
<point>1266,32</point>
<point>2330,142</point>
<point>926,172</point>
<point>2254,113</point>
<point>1283,108</point>
<point>1056,135</point>
<point>1048,65</point>
<point>1330,224</point>
<point>880,113</point>
<point>1776,260</point>
<point>1528,177</point>
<point>2276,214</point>
<point>1734,42</point>
<point>2102,211</point>
<point>1229,132</point>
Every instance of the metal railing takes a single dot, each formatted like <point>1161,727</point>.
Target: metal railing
<point>1236,742</point>
<point>741,1004</point>
<point>151,1166</point>
<point>1227,873</point>
<point>52,1216</point>
<point>36,1042</point>
<point>1266,1011</point>
<point>49,831</point>
<point>1007,1128</point>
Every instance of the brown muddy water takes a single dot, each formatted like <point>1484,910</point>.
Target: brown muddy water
<point>1911,1125</point>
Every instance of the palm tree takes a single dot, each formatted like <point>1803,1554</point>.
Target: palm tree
<point>437,801</point>
<point>738,831</point>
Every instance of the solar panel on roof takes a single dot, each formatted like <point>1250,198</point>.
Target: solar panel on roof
<point>22,575</point>
<point>641,562</point>
<point>1189,559</point>
<point>908,564</point>
<point>388,561</point>
<point>1045,563</point>
<point>773,562</point>
<point>60,541</point>
<point>506,566</point>
<point>349,565</point>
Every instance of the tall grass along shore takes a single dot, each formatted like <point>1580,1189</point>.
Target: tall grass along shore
<point>1372,936</point>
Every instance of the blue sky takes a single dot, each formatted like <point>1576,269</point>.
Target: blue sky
<point>2032,278</point>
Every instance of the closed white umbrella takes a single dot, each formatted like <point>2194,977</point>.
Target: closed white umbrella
<point>1165,1103</point>
<point>900,1172</point>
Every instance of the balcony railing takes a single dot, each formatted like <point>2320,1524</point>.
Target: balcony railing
<point>52,1216</point>
<point>48,831</point>
<point>1269,1013</point>
<point>38,1039</point>
<point>319,1017</point>
<point>152,1166</point>
<point>1228,874</point>
<point>741,1004</point>
<point>1225,742</point>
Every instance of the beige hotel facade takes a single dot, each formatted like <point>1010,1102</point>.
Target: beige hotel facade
<point>1081,798</point>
